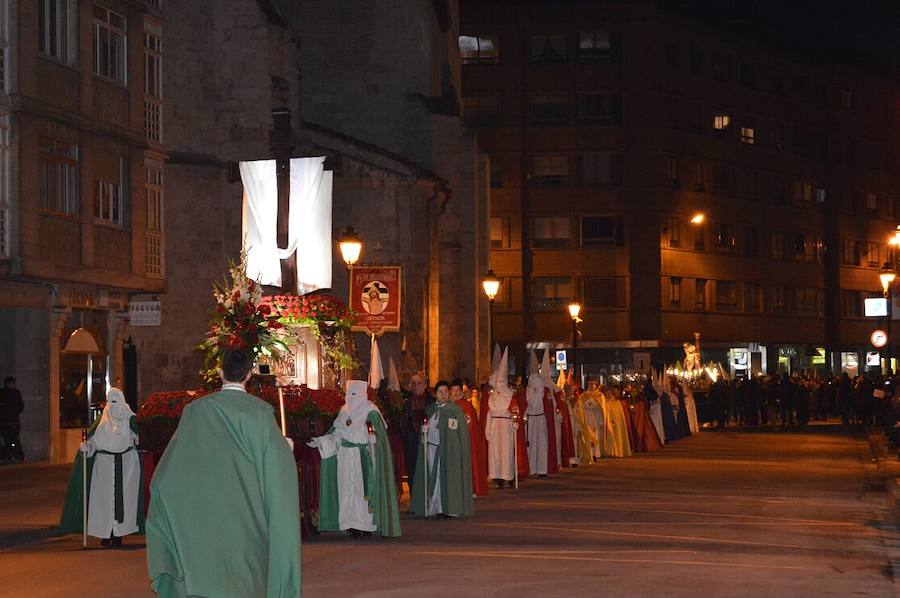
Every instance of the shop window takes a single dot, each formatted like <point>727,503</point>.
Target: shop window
<point>479,49</point>
<point>551,231</point>
<point>548,49</point>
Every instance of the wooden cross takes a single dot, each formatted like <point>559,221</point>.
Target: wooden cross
<point>282,142</point>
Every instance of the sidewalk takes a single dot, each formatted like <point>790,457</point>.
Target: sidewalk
<point>31,499</point>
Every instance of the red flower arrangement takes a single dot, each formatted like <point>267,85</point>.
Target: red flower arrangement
<point>167,406</point>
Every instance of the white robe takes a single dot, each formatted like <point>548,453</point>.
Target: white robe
<point>536,432</point>
<point>353,508</point>
<point>595,419</point>
<point>501,437</point>
<point>557,419</point>
<point>656,418</point>
<point>434,443</point>
<point>690,407</point>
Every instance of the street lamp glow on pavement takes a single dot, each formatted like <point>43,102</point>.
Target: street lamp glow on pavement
<point>351,246</point>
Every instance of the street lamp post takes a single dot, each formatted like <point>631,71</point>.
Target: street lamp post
<point>887,277</point>
<point>574,313</point>
<point>491,285</point>
<point>351,247</point>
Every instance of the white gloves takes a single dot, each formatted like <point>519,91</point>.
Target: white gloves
<point>87,449</point>
<point>315,442</point>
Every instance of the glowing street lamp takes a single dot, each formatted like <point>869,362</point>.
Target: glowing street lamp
<point>698,218</point>
<point>574,313</point>
<point>351,246</point>
<point>887,276</point>
<point>491,285</point>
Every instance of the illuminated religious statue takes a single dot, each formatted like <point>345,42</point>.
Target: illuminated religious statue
<point>691,357</point>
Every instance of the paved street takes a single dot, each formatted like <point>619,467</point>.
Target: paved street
<point>720,514</point>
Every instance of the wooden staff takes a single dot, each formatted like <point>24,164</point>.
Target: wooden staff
<point>281,408</point>
<point>84,492</point>
<point>516,448</point>
<point>425,448</point>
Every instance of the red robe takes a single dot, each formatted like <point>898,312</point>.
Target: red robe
<point>478,446</point>
<point>519,403</point>
<point>646,438</point>
<point>567,448</point>
<point>629,425</point>
<point>550,416</point>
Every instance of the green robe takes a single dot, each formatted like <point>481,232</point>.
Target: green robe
<point>72,519</point>
<point>381,485</point>
<point>224,514</point>
<point>453,464</point>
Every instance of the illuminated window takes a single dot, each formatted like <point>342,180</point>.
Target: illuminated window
<point>594,46</point>
<point>110,44</point>
<point>721,121</point>
<point>497,226</point>
<point>748,135</point>
<point>674,290</point>
<point>726,238</point>
<point>552,292</point>
<point>479,49</point>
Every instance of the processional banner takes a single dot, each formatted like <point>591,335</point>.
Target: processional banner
<point>375,297</point>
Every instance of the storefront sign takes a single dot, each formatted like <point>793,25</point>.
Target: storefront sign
<point>375,293</point>
<point>145,313</point>
<point>879,338</point>
<point>642,361</point>
<point>873,359</point>
<point>876,307</point>
<point>787,351</point>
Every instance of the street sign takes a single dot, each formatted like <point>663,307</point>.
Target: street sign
<point>561,362</point>
<point>879,338</point>
<point>876,307</point>
<point>642,361</point>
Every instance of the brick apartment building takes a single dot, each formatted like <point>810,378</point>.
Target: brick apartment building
<point>610,125</point>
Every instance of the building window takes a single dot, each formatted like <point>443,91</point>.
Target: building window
<point>748,135</point>
<point>109,44</point>
<point>595,46</point>
<point>109,196</point>
<point>846,99</point>
<point>777,301</point>
<point>672,111</point>
<point>4,44</point>
<point>601,168</point>
<point>851,304</point>
<point>152,82</point>
<point>696,60</point>
<point>550,110</point>
<point>873,254</point>
<point>726,239</point>
<point>498,169</point>
<point>776,84</point>
<point>721,66</point>
<point>674,230</point>
<point>550,171</point>
<point>778,136</point>
<point>821,195</point>
<point>602,230</point>
<point>59,176</point>
<point>723,178</point>
<point>700,294</point>
<point>872,202</point>
<point>57,26</point>
<point>721,120</point>
<point>600,108</point>
<point>672,171</point>
<point>482,49</point>
<point>604,293</point>
<point>674,290</point>
<point>777,245</point>
<point>807,301</point>
<point>552,292</point>
<point>850,252</point>
<point>497,226</point>
<point>482,110</point>
<point>747,75</point>
<point>726,295</point>
<point>697,173</point>
<point>802,192</point>
<point>751,298</point>
<point>806,247</point>
<point>671,55</point>
<point>751,241</point>
<point>153,192</point>
<point>548,49</point>
<point>849,201</point>
<point>551,231</point>
<point>750,183</point>
<point>699,238</point>
<point>5,224</point>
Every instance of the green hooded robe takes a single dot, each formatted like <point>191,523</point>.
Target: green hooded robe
<point>380,484</point>
<point>224,515</point>
<point>72,519</point>
<point>453,464</point>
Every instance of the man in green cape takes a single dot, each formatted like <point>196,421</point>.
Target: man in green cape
<point>115,497</point>
<point>224,514</point>
<point>357,488</point>
<point>446,466</point>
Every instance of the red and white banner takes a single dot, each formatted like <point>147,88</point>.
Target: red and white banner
<point>375,293</point>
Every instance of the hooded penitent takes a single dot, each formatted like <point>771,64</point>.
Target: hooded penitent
<point>498,429</point>
<point>540,421</point>
<point>357,488</point>
<point>115,488</point>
